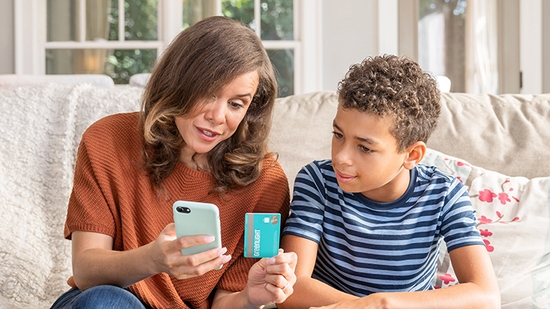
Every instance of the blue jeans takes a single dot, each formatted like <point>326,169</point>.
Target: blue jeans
<point>99,297</point>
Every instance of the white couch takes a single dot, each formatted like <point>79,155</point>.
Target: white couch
<point>499,146</point>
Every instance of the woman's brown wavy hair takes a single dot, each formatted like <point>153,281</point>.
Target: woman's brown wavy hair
<point>396,87</point>
<point>197,64</point>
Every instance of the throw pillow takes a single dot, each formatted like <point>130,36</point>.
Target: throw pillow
<point>513,215</point>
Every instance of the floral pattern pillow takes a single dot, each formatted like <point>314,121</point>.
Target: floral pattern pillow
<point>513,217</point>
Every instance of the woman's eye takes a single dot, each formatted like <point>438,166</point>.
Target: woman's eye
<point>235,104</point>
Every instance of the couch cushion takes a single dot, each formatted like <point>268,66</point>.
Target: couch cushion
<point>40,131</point>
<point>513,218</point>
<point>302,129</point>
<point>506,133</point>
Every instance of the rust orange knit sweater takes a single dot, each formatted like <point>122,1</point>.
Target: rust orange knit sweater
<point>112,195</point>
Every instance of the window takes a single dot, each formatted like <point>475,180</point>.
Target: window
<point>457,39</point>
<point>273,21</point>
<point>117,38</point>
<point>124,37</point>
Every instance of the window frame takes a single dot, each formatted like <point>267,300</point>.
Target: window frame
<point>30,39</point>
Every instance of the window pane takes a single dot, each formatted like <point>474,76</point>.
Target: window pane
<point>63,20</point>
<point>441,39</point>
<point>119,64</point>
<point>277,20</point>
<point>241,10</point>
<point>141,20</point>
<point>61,24</point>
<point>196,10</point>
<point>97,19</point>
<point>192,12</point>
<point>122,64</point>
<point>283,63</point>
<point>113,21</point>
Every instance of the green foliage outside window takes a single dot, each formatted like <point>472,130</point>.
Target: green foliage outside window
<point>277,23</point>
<point>140,24</point>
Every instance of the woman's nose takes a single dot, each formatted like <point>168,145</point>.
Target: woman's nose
<point>215,112</point>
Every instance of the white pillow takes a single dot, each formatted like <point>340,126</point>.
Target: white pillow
<point>513,218</point>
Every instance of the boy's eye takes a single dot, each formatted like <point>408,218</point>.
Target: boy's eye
<point>364,149</point>
<point>337,135</point>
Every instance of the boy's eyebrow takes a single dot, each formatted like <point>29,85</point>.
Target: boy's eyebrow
<point>367,140</point>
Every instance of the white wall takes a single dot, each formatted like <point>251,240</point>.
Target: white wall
<point>350,30</point>
<point>6,38</point>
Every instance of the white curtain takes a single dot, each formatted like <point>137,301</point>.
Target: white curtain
<point>92,61</point>
<point>481,54</point>
<point>196,10</point>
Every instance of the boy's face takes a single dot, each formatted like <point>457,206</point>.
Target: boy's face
<point>365,158</point>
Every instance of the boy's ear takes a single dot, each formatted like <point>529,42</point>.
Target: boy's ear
<point>416,153</point>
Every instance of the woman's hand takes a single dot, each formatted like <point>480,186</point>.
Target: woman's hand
<point>271,280</point>
<point>166,256</point>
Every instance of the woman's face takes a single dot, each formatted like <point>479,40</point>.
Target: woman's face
<point>216,120</point>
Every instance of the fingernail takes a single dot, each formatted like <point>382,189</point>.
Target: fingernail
<point>222,251</point>
<point>226,259</point>
<point>271,260</point>
<point>208,239</point>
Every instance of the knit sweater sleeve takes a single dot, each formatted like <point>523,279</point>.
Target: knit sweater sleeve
<point>88,209</point>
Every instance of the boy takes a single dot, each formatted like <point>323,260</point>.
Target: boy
<point>367,225</point>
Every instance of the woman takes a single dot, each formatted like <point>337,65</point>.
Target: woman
<point>201,136</point>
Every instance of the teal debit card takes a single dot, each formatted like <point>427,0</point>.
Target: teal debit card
<point>261,234</point>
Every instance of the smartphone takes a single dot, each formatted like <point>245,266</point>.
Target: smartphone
<point>261,234</point>
<point>196,218</point>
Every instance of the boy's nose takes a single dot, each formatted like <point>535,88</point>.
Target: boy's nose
<point>341,156</point>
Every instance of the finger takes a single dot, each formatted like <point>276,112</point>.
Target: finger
<point>276,291</point>
<point>190,241</point>
<point>286,285</point>
<point>279,295</point>
<point>276,264</point>
<point>188,271</point>
<point>205,257</point>
<point>169,231</point>
<point>282,257</point>
<point>281,281</point>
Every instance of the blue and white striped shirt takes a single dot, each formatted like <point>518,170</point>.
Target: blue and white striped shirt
<point>367,247</point>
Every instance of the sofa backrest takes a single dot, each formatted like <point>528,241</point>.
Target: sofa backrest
<point>302,130</point>
<point>505,133</point>
<point>21,80</point>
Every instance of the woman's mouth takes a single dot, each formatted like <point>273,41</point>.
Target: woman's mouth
<point>207,135</point>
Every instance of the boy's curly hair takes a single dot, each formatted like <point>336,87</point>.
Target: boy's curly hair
<point>391,86</point>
